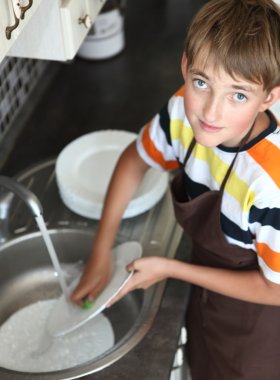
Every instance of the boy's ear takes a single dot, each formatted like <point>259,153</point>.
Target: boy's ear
<point>272,97</point>
<point>184,66</point>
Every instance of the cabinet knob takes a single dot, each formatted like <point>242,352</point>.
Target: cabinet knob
<point>86,21</point>
<point>25,8</point>
<point>10,28</point>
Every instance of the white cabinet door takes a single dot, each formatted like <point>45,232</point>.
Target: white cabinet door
<point>58,30</point>
<point>14,16</point>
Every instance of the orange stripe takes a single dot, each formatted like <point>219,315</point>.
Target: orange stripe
<point>181,91</point>
<point>267,155</point>
<point>154,153</point>
<point>270,257</point>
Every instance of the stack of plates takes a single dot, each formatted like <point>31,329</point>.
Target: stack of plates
<point>84,168</point>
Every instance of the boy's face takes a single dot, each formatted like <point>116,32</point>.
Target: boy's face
<point>220,109</point>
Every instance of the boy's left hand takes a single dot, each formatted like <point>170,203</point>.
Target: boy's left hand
<point>147,271</point>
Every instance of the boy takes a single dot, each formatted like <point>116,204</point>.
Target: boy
<point>217,129</point>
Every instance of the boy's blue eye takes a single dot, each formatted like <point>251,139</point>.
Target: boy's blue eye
<point>200,83</point>
<point>240,97</point>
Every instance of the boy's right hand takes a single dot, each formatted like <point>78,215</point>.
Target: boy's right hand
<point>95,277</point>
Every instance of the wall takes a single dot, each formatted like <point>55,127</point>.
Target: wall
<point>18,79</point>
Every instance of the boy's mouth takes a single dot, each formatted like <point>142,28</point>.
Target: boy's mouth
<point>209,128</point>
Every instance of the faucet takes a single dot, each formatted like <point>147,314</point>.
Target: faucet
<point>24,194</point>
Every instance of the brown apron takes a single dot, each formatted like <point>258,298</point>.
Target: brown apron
<point>228,339</point>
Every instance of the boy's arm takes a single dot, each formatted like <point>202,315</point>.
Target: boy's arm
<point>250,286</point>
<point>125,180</point>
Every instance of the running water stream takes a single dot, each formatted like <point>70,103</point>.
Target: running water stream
<point>45,234</point>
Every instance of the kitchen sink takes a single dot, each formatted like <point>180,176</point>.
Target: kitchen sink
<point>27,275</point>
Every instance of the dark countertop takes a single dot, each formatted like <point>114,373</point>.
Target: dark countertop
<point>120,93</point>
<point>123,92</point>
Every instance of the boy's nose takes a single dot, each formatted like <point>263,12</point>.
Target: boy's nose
<point>212,110</point>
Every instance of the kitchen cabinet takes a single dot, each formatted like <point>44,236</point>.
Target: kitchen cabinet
<point>14,17</point>
<point>58,29</point>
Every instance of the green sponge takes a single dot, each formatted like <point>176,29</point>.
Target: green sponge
<point>87,304</point>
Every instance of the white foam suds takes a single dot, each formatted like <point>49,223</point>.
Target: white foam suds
<point>25,347</point>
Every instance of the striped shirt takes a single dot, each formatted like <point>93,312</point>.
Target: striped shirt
<point>250,210</point>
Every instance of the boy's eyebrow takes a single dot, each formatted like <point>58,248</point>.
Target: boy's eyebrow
<point>242,87</point>
<point>200,73</point>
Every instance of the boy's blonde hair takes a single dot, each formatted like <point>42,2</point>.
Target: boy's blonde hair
<point>241,36</point>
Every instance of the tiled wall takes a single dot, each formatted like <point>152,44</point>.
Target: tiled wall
<point>18,77</point>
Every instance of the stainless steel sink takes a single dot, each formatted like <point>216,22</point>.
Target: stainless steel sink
<point>27,275</point>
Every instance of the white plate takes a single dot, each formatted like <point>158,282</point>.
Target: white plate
<point>85,166</point>
<point>66,317</point>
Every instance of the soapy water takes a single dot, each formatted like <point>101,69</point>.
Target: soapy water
<point>26,347</point>
<point>24,343</point>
